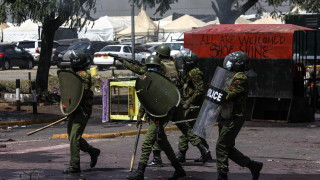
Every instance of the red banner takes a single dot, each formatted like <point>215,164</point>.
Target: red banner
<point>256,44</point>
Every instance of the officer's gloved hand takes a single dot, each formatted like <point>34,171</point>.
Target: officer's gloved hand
<point>185,106</point>
<point>139,121</point>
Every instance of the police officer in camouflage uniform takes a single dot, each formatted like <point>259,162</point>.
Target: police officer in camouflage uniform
<point>169,69</point>
<point>233,118</point>
<point>78,119</point>
<point>171,72</point>
<point>155,133</point>
<point>192,98</point>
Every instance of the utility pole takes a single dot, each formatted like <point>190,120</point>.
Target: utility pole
<point>132,32</point>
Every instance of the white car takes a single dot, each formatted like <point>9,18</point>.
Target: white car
<point>175,46</point>
<point>103,60</point>
<point>34,47</point>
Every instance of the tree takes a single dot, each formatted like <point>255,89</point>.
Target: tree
<point>52,14</point>
<point>163,6</point>
<point>312,6</point>
<point>229,10</point>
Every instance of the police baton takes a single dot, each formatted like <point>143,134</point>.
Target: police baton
<point>135,147</point>
<point>183,121</point>
<point>49,125</point>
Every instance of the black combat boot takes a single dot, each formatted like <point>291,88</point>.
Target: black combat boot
<point>178,173</point>
<point>205,153</point>
<point>200,159</point>
<point>181,156</point>
<point>157,161</point>
<point>71,170</point>
<point>94,153</point>
<point>222,176</point>
<point>255,168</point>
<point>139,173</point>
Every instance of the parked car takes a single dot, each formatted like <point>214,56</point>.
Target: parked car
<point>142,53</point>
<point>13,55</point>
<point>34,48</point>
<point>102,60</point>
<point>152,46</point>
<point>64,44</point>
<point>88,47</point>
<point>175,47</point>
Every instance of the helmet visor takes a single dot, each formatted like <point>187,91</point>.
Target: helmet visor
<point>228,62</point>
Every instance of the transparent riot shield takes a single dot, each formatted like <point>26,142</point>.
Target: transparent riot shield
<point>213,102</point>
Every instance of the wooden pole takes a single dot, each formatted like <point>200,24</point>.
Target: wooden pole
<point>49,125</point>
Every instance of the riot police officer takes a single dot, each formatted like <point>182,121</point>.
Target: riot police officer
<point>192,98</point>
<point>155,134</point>
<point>233,118</point>
<point>169,68</point>
<point>78,119</point>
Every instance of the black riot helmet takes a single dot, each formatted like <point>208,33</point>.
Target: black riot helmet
<point>163,50</point>
<point>237,61</point>
<point>77,58</point>
<point>153,60</point>
<point>153,63</point>
<point>190,59</point>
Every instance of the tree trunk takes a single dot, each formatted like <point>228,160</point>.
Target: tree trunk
<point>226,18</point>
<point>228,14</point>
<point>47,36</point>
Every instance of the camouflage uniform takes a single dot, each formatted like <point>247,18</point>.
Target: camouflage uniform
<point>153,137</point>
<point>192,94</point>
<point>77,122</point>
<point>230,127</point>
<point>149,142</point>
<point>139,69</point>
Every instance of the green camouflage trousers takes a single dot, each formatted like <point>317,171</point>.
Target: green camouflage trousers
<point>76,125</point>
<point>228,131</point>
<point>156,146</point>
<point>160,137</point>
<point>186,137</point>
<point>187,134</point>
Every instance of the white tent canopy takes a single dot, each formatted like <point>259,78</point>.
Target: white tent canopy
<point>26,31</point>
<point>239,20</point>
<point>267,19</point>
<point>182,24</point>
<point>103,29</point>
<point>164,21</point>
<point>143,26</point>
<point>175,29</point>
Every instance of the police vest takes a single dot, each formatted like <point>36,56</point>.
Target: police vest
<point>171,71</point>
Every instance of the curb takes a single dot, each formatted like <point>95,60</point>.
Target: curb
<point>113,135</point>
<point>27,122</point>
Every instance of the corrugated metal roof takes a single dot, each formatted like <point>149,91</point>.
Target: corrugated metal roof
<point>249,28</point>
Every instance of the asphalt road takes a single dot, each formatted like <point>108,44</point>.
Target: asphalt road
<point>288,151</point>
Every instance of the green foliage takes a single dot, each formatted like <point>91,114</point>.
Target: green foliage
<point>163,6</point>
<point>52,14</point>
<point>312,6</point>
<point>76,12</point>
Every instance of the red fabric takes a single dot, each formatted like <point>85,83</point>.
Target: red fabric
<point>259,41</point>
